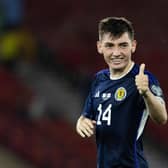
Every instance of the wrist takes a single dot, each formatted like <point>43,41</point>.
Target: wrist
<point>146,93</point>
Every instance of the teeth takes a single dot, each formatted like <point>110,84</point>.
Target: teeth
<point>116,59</point>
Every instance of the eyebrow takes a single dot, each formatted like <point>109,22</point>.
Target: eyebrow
<point>110,43</point>
<point>123,43</point>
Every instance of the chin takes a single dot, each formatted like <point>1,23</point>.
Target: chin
<point>117,66</point>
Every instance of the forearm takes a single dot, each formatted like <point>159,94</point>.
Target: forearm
<point>156,107</point>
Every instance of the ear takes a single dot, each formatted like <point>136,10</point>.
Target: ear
<point>99,48</point>
<point>134,44</point>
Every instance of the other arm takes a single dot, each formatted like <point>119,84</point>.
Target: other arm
<point>156,107</point>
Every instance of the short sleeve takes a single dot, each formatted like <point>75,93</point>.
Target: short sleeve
<point>155,86</point>
<point>88,105</point>
<point>87,109</point>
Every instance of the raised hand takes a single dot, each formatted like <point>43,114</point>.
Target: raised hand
<point>141,81</point>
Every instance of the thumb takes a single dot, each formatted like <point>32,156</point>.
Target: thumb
<point>93,121</point>
<point>142,69</point>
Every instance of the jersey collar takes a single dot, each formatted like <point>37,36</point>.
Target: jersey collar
<point>116,78</point>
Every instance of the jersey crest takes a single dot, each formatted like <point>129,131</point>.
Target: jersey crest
<point>120,94</point>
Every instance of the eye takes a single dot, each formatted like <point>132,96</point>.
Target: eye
<point>123,45</point>
<point>109,45</point>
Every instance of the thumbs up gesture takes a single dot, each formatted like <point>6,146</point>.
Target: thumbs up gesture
<point>141,81</point>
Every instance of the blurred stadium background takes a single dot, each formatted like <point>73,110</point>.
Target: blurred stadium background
<point>47,60</point>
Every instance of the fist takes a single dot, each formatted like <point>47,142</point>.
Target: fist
<point>141,81</point>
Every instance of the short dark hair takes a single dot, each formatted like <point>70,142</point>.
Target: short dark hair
<point>116,26</point>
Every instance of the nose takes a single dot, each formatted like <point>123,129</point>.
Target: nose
<point>116,51</point>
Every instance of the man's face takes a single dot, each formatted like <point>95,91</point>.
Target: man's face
<point>117,51</point>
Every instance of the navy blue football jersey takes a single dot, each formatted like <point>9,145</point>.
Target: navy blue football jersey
<point>121,114</point>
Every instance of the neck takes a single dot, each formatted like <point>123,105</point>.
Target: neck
<point>121,72</point>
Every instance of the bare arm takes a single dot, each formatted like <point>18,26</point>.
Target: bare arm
<point>156,107</point>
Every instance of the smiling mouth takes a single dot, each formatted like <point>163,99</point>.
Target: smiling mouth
<point>116,60</point>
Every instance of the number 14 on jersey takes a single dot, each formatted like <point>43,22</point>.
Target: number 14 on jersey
<point>104,115</point>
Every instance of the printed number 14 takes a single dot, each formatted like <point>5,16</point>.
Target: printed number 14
<point>104,115</point>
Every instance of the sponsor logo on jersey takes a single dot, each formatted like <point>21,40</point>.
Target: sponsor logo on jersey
<point>156,90</point>
<point>120,94</point>
<point>106,96</point>
<point>97,94</point>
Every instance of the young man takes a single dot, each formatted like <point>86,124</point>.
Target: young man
<point>120,100</point>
